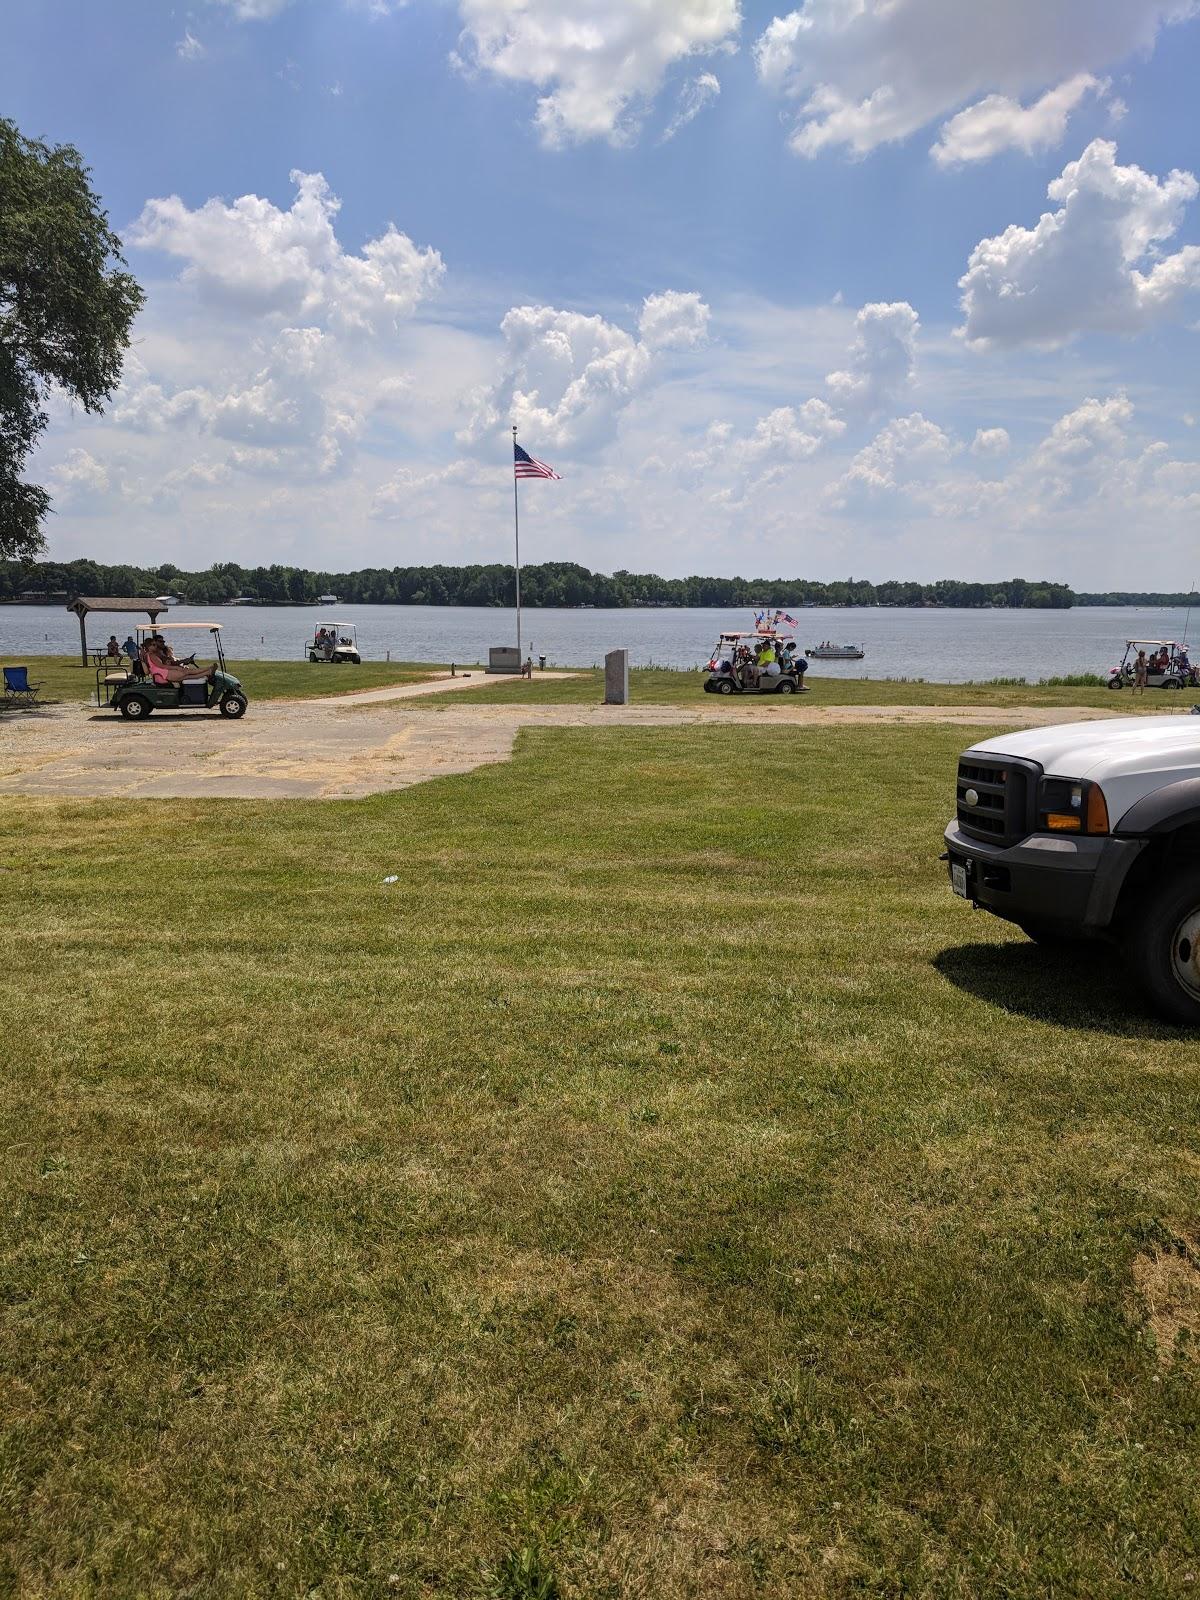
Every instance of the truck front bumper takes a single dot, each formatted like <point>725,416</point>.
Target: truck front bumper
<point>1069,882</point>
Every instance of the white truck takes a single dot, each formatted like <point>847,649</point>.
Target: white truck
<point>1091,830</point>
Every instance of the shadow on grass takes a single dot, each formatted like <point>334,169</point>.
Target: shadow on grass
<point>1082,986</point>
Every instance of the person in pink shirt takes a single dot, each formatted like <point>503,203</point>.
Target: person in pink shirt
<point>162,666</point>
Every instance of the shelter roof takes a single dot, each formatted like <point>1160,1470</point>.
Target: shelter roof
<point>84,603</point>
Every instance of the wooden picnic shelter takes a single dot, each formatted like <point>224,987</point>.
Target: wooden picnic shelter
<point>83,604</point>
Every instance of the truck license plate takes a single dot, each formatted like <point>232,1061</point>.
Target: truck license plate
<point>958,878</point>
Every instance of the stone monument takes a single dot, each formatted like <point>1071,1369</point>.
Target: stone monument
<point>504,658</point>
<point>616,678</point>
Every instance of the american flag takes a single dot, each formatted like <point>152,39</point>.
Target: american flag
<point>525,466</point>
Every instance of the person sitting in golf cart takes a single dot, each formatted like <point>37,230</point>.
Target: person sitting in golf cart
<point>162,666</point>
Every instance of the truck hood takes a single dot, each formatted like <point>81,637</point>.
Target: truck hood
<point>1112,748</point>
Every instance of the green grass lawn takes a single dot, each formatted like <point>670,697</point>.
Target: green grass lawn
<point>64,679</point>
<point>662,686</point>
<point>665,1188</point>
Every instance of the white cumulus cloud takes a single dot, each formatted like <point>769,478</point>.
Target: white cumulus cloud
<point>866,72</point>
<point>79,480</point>
<point>989,443</point>
<point>672,320</point>
<point>906,448</point>
<point>599,62</point>
<point>1094,264</point>
<point>565,376</point>
<point>882,358</point>
<point>1000,123</point>
<point>253,256</point>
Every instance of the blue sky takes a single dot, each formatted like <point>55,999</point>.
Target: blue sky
<point>678,322</point>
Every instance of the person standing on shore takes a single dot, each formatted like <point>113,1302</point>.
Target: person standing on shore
<point>1140,673</point>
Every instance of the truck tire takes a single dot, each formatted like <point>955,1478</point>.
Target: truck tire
<point>1162,946</point>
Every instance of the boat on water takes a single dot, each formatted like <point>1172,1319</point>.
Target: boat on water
<point>837,652</point>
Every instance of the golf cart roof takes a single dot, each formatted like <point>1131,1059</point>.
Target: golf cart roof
<point>1171,644</point>
<point>335,624</point>
<point>763,633</point>
<point>172,627</point>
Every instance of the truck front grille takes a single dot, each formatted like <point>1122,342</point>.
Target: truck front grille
<point>999,807</point>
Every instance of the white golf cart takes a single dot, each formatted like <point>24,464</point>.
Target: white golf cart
<point>731,669</point>
<point>336,642</point>
<point>1167,665</point>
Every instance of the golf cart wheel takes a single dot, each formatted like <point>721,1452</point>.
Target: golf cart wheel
<point>136,707</point>
<point>233,705</point>
<point>312,655</point>
<point>1116,681</point>
<point>1172,683</point>
<point>786,686</point>
<point>1162,946</point>
<point>724,687</point>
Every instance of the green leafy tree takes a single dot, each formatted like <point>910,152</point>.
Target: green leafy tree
<point>66,307</point>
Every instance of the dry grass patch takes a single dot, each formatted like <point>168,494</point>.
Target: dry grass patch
<point>1168,1280</point>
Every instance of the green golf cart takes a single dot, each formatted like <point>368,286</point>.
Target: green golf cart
<point>135,694</point>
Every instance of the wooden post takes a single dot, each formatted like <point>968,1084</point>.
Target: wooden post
<point>83,653</point>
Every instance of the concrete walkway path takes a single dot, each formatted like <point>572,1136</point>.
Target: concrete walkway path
<point>363,744</point>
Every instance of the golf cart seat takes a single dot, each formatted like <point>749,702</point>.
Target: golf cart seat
<point>17,688</point>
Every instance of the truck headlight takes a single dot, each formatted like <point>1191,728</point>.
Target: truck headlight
<point>1067,805</point>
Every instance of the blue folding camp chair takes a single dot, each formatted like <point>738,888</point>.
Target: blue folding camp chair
<point>17,688</point>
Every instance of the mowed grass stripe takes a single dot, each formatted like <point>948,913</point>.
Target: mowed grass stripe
<point>664,1188</point>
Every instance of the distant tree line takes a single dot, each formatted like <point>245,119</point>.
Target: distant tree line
<point>552,583</point>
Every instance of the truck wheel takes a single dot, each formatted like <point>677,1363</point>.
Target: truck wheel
<point>233,705</point>
<point>136,707</point>
<point>724,687</point>
<point>1162,945</point>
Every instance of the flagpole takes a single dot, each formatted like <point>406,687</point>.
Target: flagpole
<point>517,540</point>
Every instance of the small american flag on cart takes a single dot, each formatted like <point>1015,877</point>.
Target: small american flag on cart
<point>527,466</point>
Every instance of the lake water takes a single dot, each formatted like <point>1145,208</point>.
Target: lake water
<point>947,646</point>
